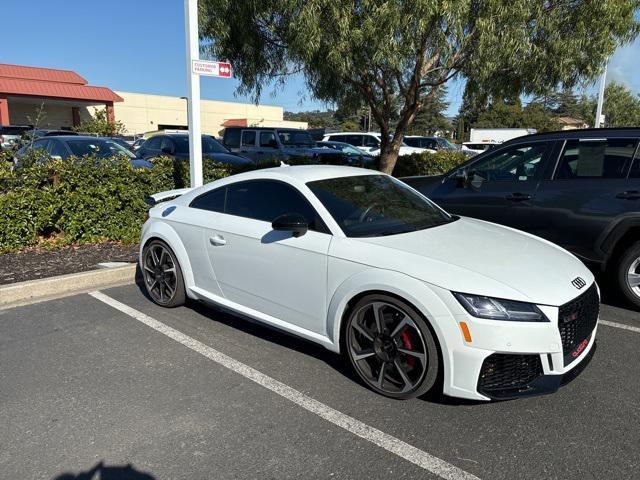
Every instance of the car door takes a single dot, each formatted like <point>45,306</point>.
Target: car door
<point>248,144</point>
<point>270,271</point>
<point>499,187</point>
<point>589,191</point>
<point>268,146</point>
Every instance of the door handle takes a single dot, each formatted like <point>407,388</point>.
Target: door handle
<point>217,240</point>
<point>629,195</point>
<point>518,197</point>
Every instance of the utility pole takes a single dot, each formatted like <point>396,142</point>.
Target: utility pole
<point>193,99</point>
<point>601,98</point>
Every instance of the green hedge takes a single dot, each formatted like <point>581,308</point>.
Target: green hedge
<point>83,200</point>
<point>428,163</point>
<point>86,200</point>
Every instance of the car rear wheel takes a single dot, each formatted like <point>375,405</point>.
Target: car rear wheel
<point>162,275</point>
<point>391,347</point>
<point>628,274</point>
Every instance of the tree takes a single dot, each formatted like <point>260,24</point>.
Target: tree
<point>621,107</point>
<point>99,124</point>
<point>431,117</point>
<point>505,113</point>
<point>375,50</point>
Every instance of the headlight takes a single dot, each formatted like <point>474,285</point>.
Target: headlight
<point>499,309</point>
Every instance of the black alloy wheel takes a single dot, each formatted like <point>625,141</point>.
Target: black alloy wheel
<point>162,275</point>
<point>391,347</point>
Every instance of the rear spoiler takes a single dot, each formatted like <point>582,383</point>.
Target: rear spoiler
<point>161,196</point>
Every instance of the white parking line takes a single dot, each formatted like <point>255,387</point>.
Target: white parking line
<point>388,442</point>
<point>619,325</point>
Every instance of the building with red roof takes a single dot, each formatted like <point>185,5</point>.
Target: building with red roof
<point>63,95</point>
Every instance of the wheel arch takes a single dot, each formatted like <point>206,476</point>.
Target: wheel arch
<point>621,236</point>
<point>408,289</point>
<point>163,231</point>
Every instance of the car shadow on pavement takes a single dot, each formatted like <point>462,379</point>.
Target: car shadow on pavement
<point>102,472</point>
<point>289,341</point>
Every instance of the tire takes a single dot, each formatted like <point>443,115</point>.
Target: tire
<point>402,361</point>
<point>627,274</point>
<point>162,275</point>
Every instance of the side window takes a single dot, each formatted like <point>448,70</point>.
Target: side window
<point>212,201</point>
<point>168,144</point>
<point>267,199</point>
<point>268,139</point>
<point>41,144</point>
<point>520,163</point>
<point>337,138</point>
<point>609,158</point>
<point>248,138</point>
<point>153,143</point>
<point>232,137</point>
<point>370,141</point>
<point>635,168</point>
<point>57,149</point>
<point>355,140</point>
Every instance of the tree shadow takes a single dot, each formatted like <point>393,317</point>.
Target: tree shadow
<point>102,472</point>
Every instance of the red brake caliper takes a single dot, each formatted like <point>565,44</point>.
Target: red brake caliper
<point>405,336</point>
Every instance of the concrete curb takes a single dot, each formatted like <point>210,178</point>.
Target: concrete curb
<point>31,291</point>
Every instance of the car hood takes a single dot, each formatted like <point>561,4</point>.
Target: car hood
<point>473,256</point>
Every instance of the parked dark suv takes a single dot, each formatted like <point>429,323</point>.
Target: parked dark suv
<point>262,144</point>
<point>579,189</point>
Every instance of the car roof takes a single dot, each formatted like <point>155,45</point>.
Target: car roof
<point>578,133</point>
<point>73,137</point>
<point>351,133</point>
<point>288,129</point>
<point>304,173</point>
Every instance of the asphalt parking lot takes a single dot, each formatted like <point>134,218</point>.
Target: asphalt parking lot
<point>140,392</point>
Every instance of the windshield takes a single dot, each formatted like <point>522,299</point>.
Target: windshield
<point>376,205</point>
<point>209,144</point>
<point>295,137</point>
<point>446,144</point>
<point>97,147</point>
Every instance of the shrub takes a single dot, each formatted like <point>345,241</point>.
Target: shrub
<point>427,163</point>
<point>83,199</point>
<point>86,199</point>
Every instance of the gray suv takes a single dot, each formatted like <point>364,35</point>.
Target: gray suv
<point>263,144</point>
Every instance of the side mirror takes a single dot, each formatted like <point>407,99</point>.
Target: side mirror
<point>291,222</point>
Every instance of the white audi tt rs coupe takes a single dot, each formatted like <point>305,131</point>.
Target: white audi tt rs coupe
<point>361,263</point>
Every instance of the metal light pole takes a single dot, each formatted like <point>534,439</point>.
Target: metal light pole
<point>601,97</point>
<point>193,100</point>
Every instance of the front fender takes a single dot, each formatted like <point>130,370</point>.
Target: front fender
<point>163,231</point>
<point>371,279</point>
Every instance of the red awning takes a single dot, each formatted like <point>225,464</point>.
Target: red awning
<point>236,122</point>
<point>49,83</point>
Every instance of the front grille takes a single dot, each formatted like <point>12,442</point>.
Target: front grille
<point>503,374</point>
<point>577,319</point>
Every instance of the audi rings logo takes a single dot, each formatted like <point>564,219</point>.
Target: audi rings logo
<point>578,282</point>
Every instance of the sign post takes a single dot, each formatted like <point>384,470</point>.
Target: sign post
<point>195,68</point>
<point>193,100</point>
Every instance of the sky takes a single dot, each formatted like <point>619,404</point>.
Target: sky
<point>139,46</point>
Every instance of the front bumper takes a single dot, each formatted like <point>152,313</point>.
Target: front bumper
<point>506,360</point>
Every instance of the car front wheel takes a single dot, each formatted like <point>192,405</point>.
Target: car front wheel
<point>162,275</point>
<point>391,347</point>
<point>628,274</point>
